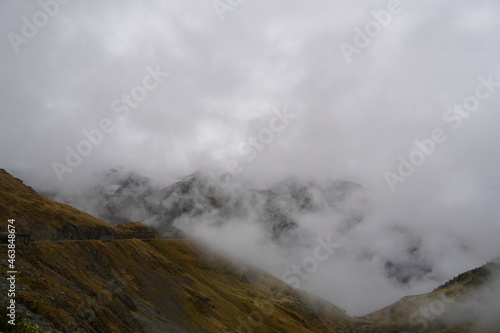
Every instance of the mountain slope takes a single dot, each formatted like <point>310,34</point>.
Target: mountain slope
<point>44,218</point>
<point>133,285</point>
<point>177,285</point>
<point>468,303</point>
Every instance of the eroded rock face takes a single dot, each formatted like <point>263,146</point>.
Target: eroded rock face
<point>122,198</point>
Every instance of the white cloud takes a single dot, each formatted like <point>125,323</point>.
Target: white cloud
<point>353,119</point>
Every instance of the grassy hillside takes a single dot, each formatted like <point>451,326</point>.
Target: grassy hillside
<point>69,282</point>
<point>49,220</point>
<point>137,286</point>
<point>44,218</point>
<point>432,312</point>
<point>164,285</point>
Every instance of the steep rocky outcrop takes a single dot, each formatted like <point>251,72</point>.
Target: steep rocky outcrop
<point>121,197</point>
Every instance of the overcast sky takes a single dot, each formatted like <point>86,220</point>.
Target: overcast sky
<point>230,69</point>
<point>225,76</point>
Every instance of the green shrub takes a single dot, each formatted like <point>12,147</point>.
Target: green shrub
<point>23,325</point>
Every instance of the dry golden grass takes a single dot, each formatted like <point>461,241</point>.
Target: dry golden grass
<point>132,285</point>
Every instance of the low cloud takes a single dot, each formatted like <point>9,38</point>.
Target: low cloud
<point>226,77</point>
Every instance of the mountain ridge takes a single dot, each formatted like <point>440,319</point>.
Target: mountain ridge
<point>178,285</point>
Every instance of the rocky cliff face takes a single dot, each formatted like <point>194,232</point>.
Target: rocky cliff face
<point>124,197</point>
